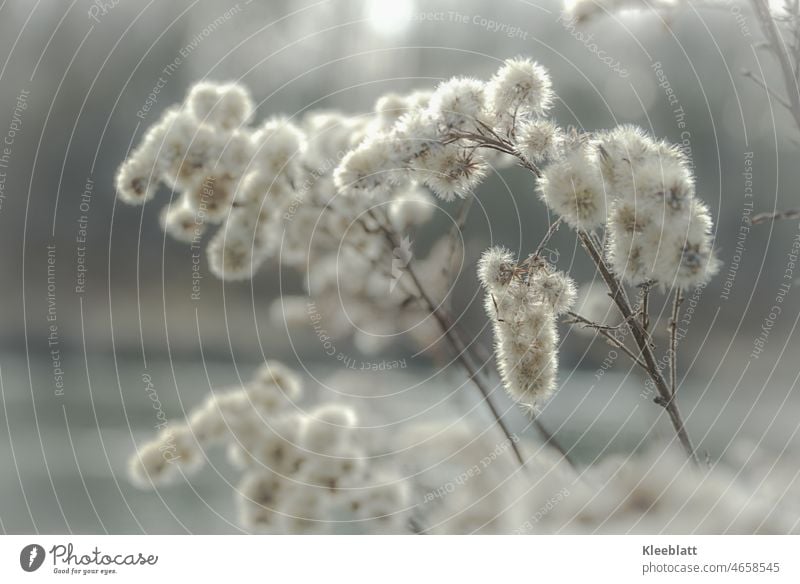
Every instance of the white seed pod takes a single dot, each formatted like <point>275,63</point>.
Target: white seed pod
<point>236,156</point>
<point>278,146</point>
<point>210,198</point>
<point>207,423</point>
<point>328,428</point>
<point>277,447</point>
<point>150,466</point>
<point>275,386</point>
<point>523,318</point>
<point>239,248</point>
<point>555,289</point>
<point>260,495</point>
<point>307,511</point>
<point>459,104</point>
<point>496,268</point>
<point>630,234</point>
<point>343,468</point>
<point>136,181</point>
<point>383,507</point>
<point>410,208</point>
<point>183,446</point>
<point>190,153</point>
<point>520,87</point>
<point>371,169</point>
<point>389,108</point>
<point>538,140</point>
<point>416,134</point>
<point>451,172</point>
<point>182,223</point>
<point>573,188</point>
<point>226,106</point>
<point>687,258</point>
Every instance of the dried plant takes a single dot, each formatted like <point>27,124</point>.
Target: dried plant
<point>336,197</point>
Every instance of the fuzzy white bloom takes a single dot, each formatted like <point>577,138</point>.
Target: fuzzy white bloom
<point>411,207</point>
<point>181,222</point>
<point>278,143</point>
<point>451,172</point>
<point>459,104</point>
<point>496,268</point>
<point>522,302</point>
<point>301,473</point>
<point>370,168</point>
<point>658,230</point>
<point>135,182</point>
<point>538,139</point>
<point>554,289</point>
<point>238,249</point>
<point>572,187</point>
<point>521,87</point>
<point>383,507</point>
<point>226,106</point>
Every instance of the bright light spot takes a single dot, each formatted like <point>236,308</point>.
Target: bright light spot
<point>389,16</point>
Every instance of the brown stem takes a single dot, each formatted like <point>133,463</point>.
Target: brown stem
<point>619,297</point>
<point>550,439</point>
<point>770,30</point>
<point>604,331</point>
<point>787,214</point>
<point>673,342</point>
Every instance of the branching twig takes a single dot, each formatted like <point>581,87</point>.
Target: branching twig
<point>460,349</point>
<point>550,439</point>
<point>619,297</point>
<point>787,214</point>
<point>605,332</point>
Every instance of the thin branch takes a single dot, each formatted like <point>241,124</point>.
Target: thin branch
<point>460,349</point>
<point>550,439</point>
<point>777,215</point>
<point>770,30</point>
<point>617,292</point>
<point>456,230</point>
<point>760,82</point>
<point>644,304</point>
<point>673,342</point>
<point>604,331</point>
<point>550,231</point>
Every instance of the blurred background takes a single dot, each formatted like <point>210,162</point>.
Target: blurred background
<point>95,297</point>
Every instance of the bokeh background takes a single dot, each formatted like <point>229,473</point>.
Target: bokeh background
<point>74,80</point>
